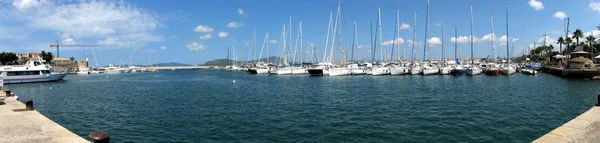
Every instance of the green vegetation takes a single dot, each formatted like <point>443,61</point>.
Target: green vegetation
<point>543,53</point>
<point>8,58</point>
<point>46,56</point>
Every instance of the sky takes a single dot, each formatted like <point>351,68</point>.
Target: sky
<point>194,32</point>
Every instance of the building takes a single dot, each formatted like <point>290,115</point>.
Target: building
<point>60,64</point>
<point>82,65</point>
<point>33,55</point>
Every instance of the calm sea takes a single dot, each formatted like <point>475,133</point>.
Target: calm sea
<point>207,106</point>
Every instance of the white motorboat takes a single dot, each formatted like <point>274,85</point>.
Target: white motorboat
<point>508,70</point>
<point>281,71</point>
<point>111,69</point>
<point>35,70</point>
<point>529,71</point>
<point>83,71</point>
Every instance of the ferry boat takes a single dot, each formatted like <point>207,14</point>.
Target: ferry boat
<point>35,70</point>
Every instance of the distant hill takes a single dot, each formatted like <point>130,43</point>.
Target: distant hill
<point>171,64</point>
<point>225,62</point>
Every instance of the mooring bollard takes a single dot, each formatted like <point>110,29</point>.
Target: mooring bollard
<point>598,103</point>
<point>100,137</point>
<point>7,92</point>
<point>28,104</point>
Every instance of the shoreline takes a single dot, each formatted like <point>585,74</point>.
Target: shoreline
<point>584,128</point>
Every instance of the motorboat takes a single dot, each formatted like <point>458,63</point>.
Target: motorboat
<point>35,70</point>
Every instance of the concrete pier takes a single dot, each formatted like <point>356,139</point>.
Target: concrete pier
<point>584,128</point>
<point>18,125</point>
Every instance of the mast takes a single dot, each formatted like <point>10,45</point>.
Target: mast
<point>342,55</point>
<point>228,59</point>
<point>95,59</point>
<point>380,31</point>
<point>254,45</point>
<point>398,35</point>
<point>295,48</point>
<point>375,42</point>
<point>493,37</point>
<point>426,45</point>
<point>443,49</point>
<point>301,47</point>
<point>472,61</point>
<point>353,43</point>
<point>372,49</point>
<point>337,18</point>
<point>285,62</point>
<point>395,32</point>
<point>263,46</point>
<point>456,42</point>
<point>327,43</point>
<point>414,40</point>
<point>507,39</point>
<point>291,39</point>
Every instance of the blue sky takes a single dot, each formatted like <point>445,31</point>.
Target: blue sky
<point>176,31</point>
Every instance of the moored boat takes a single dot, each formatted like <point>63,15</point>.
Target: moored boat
<point>35,70</point>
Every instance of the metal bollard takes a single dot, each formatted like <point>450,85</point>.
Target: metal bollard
<point>28,104</point>
<point>7,92</point>
<point>100,137</point>
<point>598,103</point>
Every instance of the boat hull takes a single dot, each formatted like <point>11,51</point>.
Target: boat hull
<point>381,71</point>
<point>457,72</point>
<point>34,78</point>
<point>445,71</point>
<point>432,71</point>
<point>415,71</point>
<point>315,72</point>
<point>399,71</point>
<point>475,71</point>
<point>359,72</point>
<point>492,72</point>
<point>508,71</point>
<point>299,71</point>
<point>339,72</point>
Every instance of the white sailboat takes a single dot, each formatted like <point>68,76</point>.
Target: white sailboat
<point>472,69</point>
<point>399,69</point>
<point>508,69</point>
<point>339,71</point>
<point>415,68</point>
<point>444,68</point>
<point>299,70</point>
<point>427,68</point>
<point>382,68</point>
<point>355,69</point>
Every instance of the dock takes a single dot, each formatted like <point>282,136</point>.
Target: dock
<point>584,128</point>
<point>18,125</point>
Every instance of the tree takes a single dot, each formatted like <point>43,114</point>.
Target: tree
<point>577,34</point>
<point>8,58</point>
<point>560,42</point>
<point>568,41</point>
<point>72,59</point>
<point>591,39</point>
<point>46,56</point>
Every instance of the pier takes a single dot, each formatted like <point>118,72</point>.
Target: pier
<point>20,125</point>
<point>584,128</point>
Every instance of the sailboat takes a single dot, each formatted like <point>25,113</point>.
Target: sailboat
<point>507,69</point>
<point>456,69</point>
<point>259,67</point>
<point>382,68</point>
<point>399,69</point>
<point>491,68</point>
<point>415,68</point>
<point>472,69</point>
<point>355,68</point>
<point>428,69</point>
<point>299,70</point>
<point>337,71</point>
<point>444,68</point>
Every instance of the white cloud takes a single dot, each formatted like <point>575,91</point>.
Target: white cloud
<point>195,46</point>
<point>537,5</point>
<point>488,37</point>
<point>404,26</point>
<point>25,4</point>
<point>595,32</point>
<point>363,46</point>
<point>595,6</point>
<point>560,15</point>
<point>68,41</point>
<point>234,24</point>
<point>391,42</point>
<point>223,34</point>
<point>273,41</point>
<point>163,47</point>
<point>410,42</point>
<point>502,40</point>
<point>206,37</point>
<point>203,29</point>
<point>515,40</point>
<point>463,39</point>
<point>241,12</point>
<point>434,41</point>
<point>438,24</point>
<point>118,23</point>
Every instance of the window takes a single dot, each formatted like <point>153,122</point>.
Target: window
<point>22,73</point>
<point>46,72</point>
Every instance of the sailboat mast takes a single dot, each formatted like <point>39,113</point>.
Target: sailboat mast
<point>380,31</point>
<point>507,39</point>
<point>443,49</point>
<point>472,60</point>
<point>342,55</point>
<point>493,37</point>
<point>285,62</point>
<point>456,42</point>
<point>395,32</point>
<point>327,39</point>
<point>353,43</point>
<point>337,18</point>
<point>414,39</point>
<point>372,48</point>
<point>301,47</point>
<point>426,45</point>
<point>254,45</point>
<point>398,33</point>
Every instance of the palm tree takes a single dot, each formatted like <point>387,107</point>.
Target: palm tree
<point>591,39</point>
<point>568,41</point>
<point>560,41</point>
<point>577,34</point>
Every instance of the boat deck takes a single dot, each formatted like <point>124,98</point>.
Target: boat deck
<point>30,126</point>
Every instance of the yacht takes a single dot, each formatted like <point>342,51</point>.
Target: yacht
<point>430,70</point>
<point>35,70</point>
<point>473,70</point>
<point>111,69</point>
